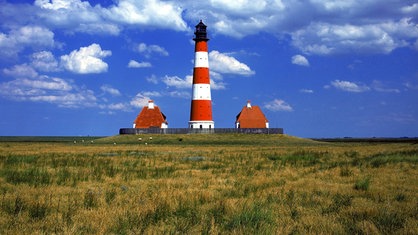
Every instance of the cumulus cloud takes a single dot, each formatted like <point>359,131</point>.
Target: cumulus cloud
<point>49,90</point>
<point>148,50</point>
<point>44,61</point>
<point>177,82</point>
<point>27,36</point>
<point>110,90</point>
<point>278,105</point>
<point>325,38</point>
<point>21,70</point>
<point>136,64</point>
<point>223,63</point>
<point>148,12</point>
<point>300,60</point>
<point>140,100</point>
<point>80,16</point>
<point>315,27</point>
<point>349,86</point>
<point>86,60</point>
<point>179,94</point>
<point>187,82</point>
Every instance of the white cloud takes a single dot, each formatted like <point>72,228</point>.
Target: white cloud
<point>179,94</point>
<point>223,63</point>
<point>27,36</point>
<point>278,105</point>
<point>217,85</point>
<point>326,38</point>
<point>22,70</point>
<point>44,61</point>
<point>136,64</point>
<point>119,106</point>
<point>349,86</point>
<point>76,16</point>
<point>140,100</point>
<point>316,27</point>
<point>380,87</point>
<point>152,93</point>
<point>49,90</point>
<point>61,4</point>
<point>148,50</point>
<point>86,60</point>
<point>412,9</point>
<point>110,90</point>
<point>300,60</point>
<point>411,86</point>
<point>152,79</point>
<point>177,82</point>
<point>243,7</point>
<point>309,91</point>
<point>80,16</point>
<point>147,12</point>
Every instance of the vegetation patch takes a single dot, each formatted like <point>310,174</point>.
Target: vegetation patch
<point>207,184</point>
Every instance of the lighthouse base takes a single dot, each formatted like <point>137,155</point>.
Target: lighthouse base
<point>202,125</point>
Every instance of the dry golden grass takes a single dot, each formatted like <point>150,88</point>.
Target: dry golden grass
<point>211,184</point>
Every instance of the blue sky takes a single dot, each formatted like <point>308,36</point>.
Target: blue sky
<point>318,68</point>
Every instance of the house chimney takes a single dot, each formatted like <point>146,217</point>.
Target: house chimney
<point>150,104</point>
<point>248,104</point>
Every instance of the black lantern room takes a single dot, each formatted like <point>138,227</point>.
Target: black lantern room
<point>200,32</point>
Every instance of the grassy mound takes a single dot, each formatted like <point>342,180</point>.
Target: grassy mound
<point>208,139</point>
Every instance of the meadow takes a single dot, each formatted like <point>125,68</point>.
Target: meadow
<point>207,184</point>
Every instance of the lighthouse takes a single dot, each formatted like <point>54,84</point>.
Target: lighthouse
<point>201,106</point>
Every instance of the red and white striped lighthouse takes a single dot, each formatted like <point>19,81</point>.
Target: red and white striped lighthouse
<point>201,108</point>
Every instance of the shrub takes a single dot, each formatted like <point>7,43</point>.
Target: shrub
<point>362,184</point>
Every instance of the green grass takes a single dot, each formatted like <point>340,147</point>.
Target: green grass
<point>207,184</point>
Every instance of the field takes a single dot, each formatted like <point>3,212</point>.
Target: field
<point>207,184</point>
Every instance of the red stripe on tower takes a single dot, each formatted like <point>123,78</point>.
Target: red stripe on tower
<point>201,107</point>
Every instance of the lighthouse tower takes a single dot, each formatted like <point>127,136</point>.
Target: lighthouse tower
<point>201,107</point>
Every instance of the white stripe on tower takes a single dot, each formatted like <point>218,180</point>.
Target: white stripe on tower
<point>201,106</point>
